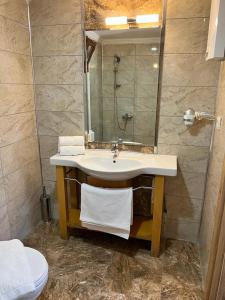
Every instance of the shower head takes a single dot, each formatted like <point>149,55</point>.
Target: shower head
<point>116,59</point>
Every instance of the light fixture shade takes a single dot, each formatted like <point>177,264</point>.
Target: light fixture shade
<point>116,20</point>
<point>147,19</point>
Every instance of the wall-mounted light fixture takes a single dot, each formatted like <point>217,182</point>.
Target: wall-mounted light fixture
<point>147,19</point>
<point>141,19</point>
<point>116,21</point>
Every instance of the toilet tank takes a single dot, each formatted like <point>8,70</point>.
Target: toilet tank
<point>216,35</point>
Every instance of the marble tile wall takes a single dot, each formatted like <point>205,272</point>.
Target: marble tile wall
<point>187,81</point>
<point>58,76</point>
<point>20,176</point>
<point>213,179</point>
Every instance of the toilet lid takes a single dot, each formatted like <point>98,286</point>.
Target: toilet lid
<point>38,265</point>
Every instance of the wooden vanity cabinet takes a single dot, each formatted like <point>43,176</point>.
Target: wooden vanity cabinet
<point>145,228</point>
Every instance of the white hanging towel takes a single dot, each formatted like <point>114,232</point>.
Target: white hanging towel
<point>71,141</point>
<point>71,150</point>
<point>107,210</point>
<point>15,275</point>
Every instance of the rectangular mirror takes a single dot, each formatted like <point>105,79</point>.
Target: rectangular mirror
<point>122,63</point>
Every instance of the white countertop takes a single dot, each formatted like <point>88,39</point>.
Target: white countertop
<point>99,163</point>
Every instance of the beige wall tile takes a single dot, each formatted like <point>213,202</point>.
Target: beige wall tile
<point>183,209</point>
<point>14,37</point>
<point>16,99</point>
<point>181,230</point>
<point>124,77</point>
<point>18,68</point>
<point>126,63</point>
<point>59,97</point>
<point>58,70</point>
<point>172,131</point>
<point>21,184</point>
<point>14,128</point>
<point>190,158</point>
<point>191,34</point>
<point>144,122</point>
<point>108,103</point>
<point>5,232</point>
<point>205,236</point>
<point>125,105</point>
<point>53,12</point>
<point>145,104</point>
<point>188,9</point>
<point>147,49</point>
<point>147,63</point>
<point>60,123</point>
<point>189,70</point>
<point>186,184</point>
<point>146,91</point>
<point>57,40</point>
<point>48,146</point>
<point>125,91</point>
<point>120,50</point>
<point>24,215</point>
<point>148,140</point>
<point>176,100</point>
<point>3,201</point>
<point>147,76</point>
<point>48,171</point>
<point>108,118</point>
<point>14,156</point>
<point>15,10</point>
<point>19,150</point>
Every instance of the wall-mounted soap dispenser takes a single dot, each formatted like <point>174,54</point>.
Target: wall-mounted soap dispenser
<point>216,36</point>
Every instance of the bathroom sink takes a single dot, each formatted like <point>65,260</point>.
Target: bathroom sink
<point>121,167</point>
<point>99,163</point>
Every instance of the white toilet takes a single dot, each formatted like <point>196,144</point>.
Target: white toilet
<point>39,270</point>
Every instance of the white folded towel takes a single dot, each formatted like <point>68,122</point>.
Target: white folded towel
<point>15,275</point>
<point>71,141</point>
<point>107,210</point>
<point>71,150</point>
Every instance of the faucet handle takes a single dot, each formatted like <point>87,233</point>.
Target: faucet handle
<point>120,141</point>
<point>114,146</point>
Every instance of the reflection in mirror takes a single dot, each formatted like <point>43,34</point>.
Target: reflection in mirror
<point>122,71</point>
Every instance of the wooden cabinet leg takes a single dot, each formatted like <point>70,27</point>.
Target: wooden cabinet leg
<point>157,214</point>
<point>62,201</point>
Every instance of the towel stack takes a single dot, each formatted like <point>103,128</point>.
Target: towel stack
<point>107,210</point>
<point>71,145</point>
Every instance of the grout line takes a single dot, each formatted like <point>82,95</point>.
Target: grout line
<point>59,55</point>
<point>12,52</point>
<point>14,21</point>
<point>186,18</point>
<point>21,140</point>
<point>17,113</point>
<point>10,83</point>
<point>61,111</point>
<point>57,24</point>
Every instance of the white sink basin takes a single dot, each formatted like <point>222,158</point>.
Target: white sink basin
<point>99,163</point>
<point>107,168</point>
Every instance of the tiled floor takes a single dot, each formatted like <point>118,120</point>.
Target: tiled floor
<point>96,266</point>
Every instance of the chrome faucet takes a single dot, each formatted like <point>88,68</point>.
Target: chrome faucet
<point>115,149</point>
